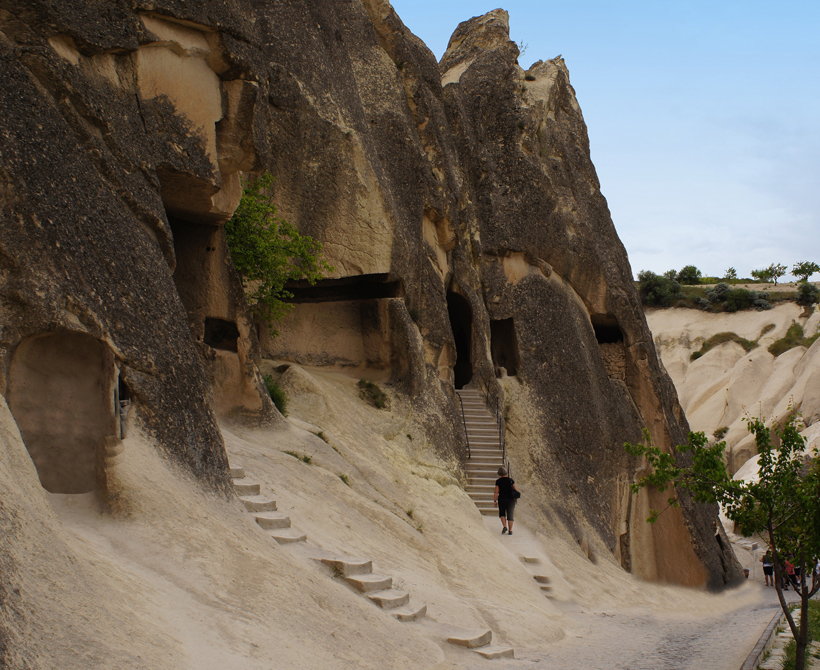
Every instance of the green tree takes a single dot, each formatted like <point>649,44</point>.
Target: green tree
<point>776,271</point>
<point>268,252</point>
<point>730,275</point>
<point>657,290</point>
<point>805,269</point>
<point>763,275</point>
<point>782,506</point>
<point>689,274</point>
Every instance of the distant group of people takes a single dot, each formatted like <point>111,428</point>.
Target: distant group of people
<point>789,572</point>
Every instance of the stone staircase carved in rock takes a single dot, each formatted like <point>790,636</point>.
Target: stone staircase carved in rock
<point>358,573</point>
<point>486,449</point>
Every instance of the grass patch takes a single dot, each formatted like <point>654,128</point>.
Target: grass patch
<point>409,513</point>
<point>277,394</point>
<point>814,634</point>
<point>794,338</point>
<point>302,457</point>
<point>768,328</point>
<point>344,478</point>
<point>722,338</point>
<point>373,394</point>
<point>321,435</point>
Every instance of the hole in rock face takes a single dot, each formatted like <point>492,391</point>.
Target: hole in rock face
<point>61,394</point>
<point>607,330</point>
<point>221,334</point>
<point>461,323</point>
<point>504,346</point>
<point>358,287</point>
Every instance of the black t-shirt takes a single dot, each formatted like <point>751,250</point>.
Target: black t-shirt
<point>505,487</point>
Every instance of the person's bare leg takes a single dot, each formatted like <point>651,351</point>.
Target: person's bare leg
<point>509,525</point>
<point>504,522</point>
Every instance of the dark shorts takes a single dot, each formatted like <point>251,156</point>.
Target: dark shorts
<point>506,508</point>
<point>768,570</point>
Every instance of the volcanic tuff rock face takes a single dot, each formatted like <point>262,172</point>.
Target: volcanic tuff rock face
<point>457,202</point>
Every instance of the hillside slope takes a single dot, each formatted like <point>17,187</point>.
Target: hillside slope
<point>727,383</point>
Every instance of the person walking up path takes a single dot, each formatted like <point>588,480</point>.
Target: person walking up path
<point>504,499</point>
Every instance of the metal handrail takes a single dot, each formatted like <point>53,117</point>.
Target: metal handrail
<point>464,423</point>
<point>502,429</point>
<point>502,436</point>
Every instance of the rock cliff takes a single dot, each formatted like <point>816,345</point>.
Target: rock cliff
<point>456,200</point>
<point>726,384</point>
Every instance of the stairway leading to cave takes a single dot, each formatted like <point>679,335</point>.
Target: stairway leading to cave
<point>486,452</point>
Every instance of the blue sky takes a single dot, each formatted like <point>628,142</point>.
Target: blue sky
<point>703,118</point>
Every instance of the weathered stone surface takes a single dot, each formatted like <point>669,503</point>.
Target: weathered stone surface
<point>467,186</point>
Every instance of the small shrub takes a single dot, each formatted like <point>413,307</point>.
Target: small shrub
<point>529,77</point>
<point>701,303</point>
<point>321,435</point>
<point>718,293</point>
<point>277,394</point>
<point>373,394</point>
<point>302,457</point>
<point>521,125</point>
<point>409,513</point>
<point>807,294</point>
<point>720,433</point>
<point>738,299</point>
<point>344,478</point>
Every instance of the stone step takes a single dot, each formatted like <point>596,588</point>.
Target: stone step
<point>287,535</point>
<point>389,599</point>
<point>246,487</point>
<point>485,498</point>
<point>349,567</point>
<point>371,582</point>
<point>237,472</point>
<point>546,588</point>
<point>272,520</point>
<point>530,559</point>
<point>409,612</point>
<point>495,651</point>
<point>258,503</point>
<point>488,511</point>
<point>541,579</point>
<point>485,460</point>
<point>478,421</point>
<point>471,639</point>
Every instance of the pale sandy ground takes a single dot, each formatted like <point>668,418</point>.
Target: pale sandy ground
<point>188,580</point>
<point>727,384</point>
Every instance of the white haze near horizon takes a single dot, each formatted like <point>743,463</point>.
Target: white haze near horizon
<point>702,117</point>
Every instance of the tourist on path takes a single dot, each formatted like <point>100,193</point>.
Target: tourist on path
<point>504,499</point>
<point>768,568</point>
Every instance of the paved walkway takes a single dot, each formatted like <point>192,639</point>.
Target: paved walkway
<point>639,639</point>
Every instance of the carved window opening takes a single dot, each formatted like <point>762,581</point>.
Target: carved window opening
<point>504,346</point>
<point>359,287</point>
<point>461,323</point>
<point>221,334</point>
<point>610,339</point>
<point>61,393</point>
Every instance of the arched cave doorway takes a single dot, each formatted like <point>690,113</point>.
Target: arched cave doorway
<point>461,322</point>
<point>61,392</point>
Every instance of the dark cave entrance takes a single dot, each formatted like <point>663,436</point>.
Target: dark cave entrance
<point>611,344</point>
<point>504,346</point>
<point>61,392</point>
<point>461,323</point>
<point>221,334</point>
<point>607,330</point>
